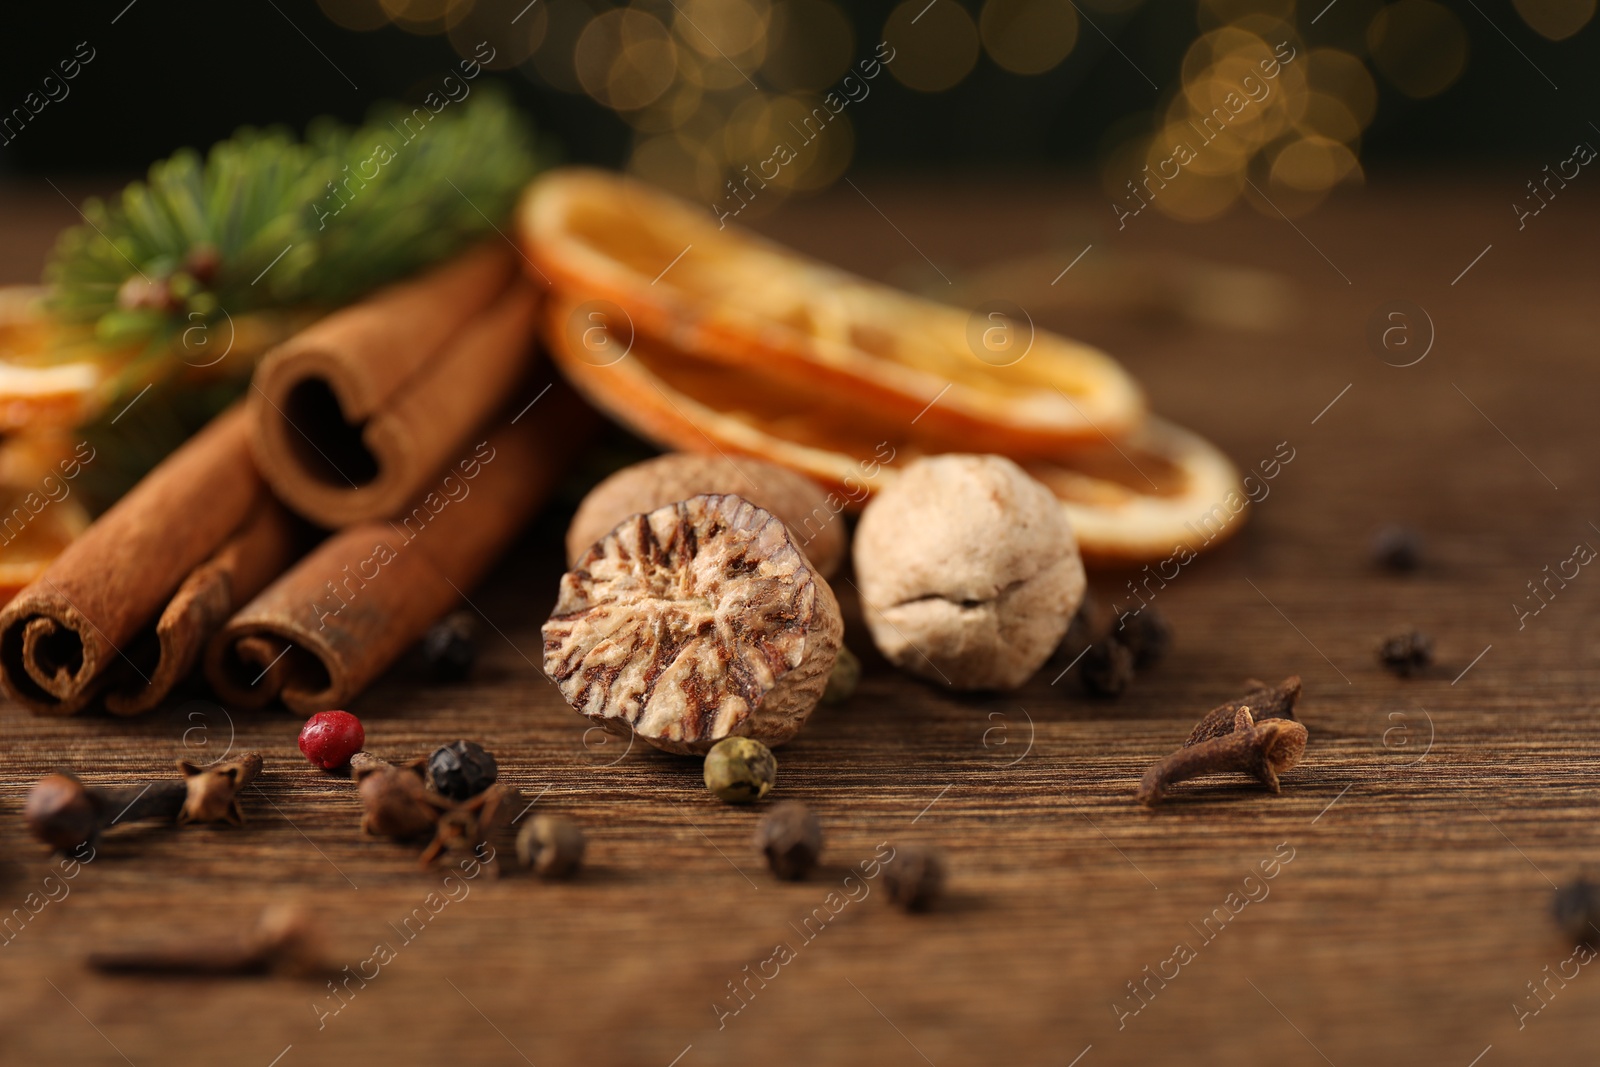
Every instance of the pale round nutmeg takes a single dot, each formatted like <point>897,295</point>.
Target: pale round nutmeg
<point>968,571</point>
<point>815,522</point>
<point>697,621</point>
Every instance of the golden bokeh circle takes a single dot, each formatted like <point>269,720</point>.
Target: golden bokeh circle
<point>811,45</point>
<point>1555,19</point>
<point>724,29</point>
<point>1420,46</point>
<point>1341,74</point>
<point>511,27</point>
<point>1028,36</point>
<point>935,44</point>
<point>625,59</point>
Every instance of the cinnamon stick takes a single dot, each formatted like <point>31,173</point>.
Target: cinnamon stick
<point>258,552</point>
<point>355,415</point>
<point>325,630</point>
<point>69,635</point>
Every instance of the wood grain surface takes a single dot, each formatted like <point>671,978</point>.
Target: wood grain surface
<point>1414,852</point>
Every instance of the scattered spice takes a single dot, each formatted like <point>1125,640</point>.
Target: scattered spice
<point>1576,908</point>
<point>1082,629</point>
<point>461,770</point>
<point>740,770</point>
<point>395,802</point>
<point>1147,634</point>
<point>1106,668</point>
<point>791,838</point>
<point>1397,548</point>
<point>212,793</point>
<point>914,877</point>
<point>450,648</point>
<point>844,678</point>
<point>64,813</point>
<point>1264,701</point>
<point>285,940</point>
<point>330,738</point>
<point>552,845</point>
<point>1407,654</point>
<point>1263,750</point>
<point>464,828</point>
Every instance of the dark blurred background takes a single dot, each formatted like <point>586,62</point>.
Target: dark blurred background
<point>686,92</point>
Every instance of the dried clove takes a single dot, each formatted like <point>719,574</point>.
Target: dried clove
<point>1407,654</point>
<point>462,828</point>
<point>63,812</point>
<point>394,801</point>
<point>551,845</point>
<point>212,793</point>
<point>1576,908</point>
<point>1106,668</point>
<point>791,839</point>
<point>1264,702</point>
<point>285,940</point>
<point>1263,750</point>
<point>1397,548</point>
<point>914,877</point>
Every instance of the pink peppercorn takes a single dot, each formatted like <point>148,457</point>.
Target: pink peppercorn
<point>330,738</point>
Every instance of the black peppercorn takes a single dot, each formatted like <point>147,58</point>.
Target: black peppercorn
<point>1082,629</point>
<point>1397,548</point>
<point>914,877</point>
<point>1407,654</point>
<point>791,838</point>
<point>1147,635</point>
<point>461,770</point>
<point>451,647</point>
<point>1106,668</point>
<point>1576,907</point>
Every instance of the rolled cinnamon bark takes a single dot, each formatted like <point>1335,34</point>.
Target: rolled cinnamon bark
<point>325,630</point>
<point>262,549</point>
<point>65,637</point>
<point>356,415</point>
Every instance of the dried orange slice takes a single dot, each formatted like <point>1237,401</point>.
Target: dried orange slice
<point>1138,499</point>
<point>33,531</point>
<point>987,377</point>
<point>34,396</point>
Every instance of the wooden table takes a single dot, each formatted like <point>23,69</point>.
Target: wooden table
<point>1414,853</point>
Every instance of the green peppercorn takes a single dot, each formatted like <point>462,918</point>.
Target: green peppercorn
<point>740,769</point>
<point>842,682</point>
<point>551,845</point>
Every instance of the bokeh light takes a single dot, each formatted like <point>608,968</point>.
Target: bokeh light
<point>1556,19</point>
<point>936,44</point>
<point>1420,46</point>
<point>1028,36</point>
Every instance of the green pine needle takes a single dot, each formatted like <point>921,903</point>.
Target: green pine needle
<point>266,224</point>
<point>265,221</point>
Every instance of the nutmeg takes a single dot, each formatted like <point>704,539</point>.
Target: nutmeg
<point>816,527</point>
<point>968,570</point>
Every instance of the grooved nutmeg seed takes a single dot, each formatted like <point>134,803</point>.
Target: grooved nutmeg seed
<point>799,502</point>
<point>695,622</point>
